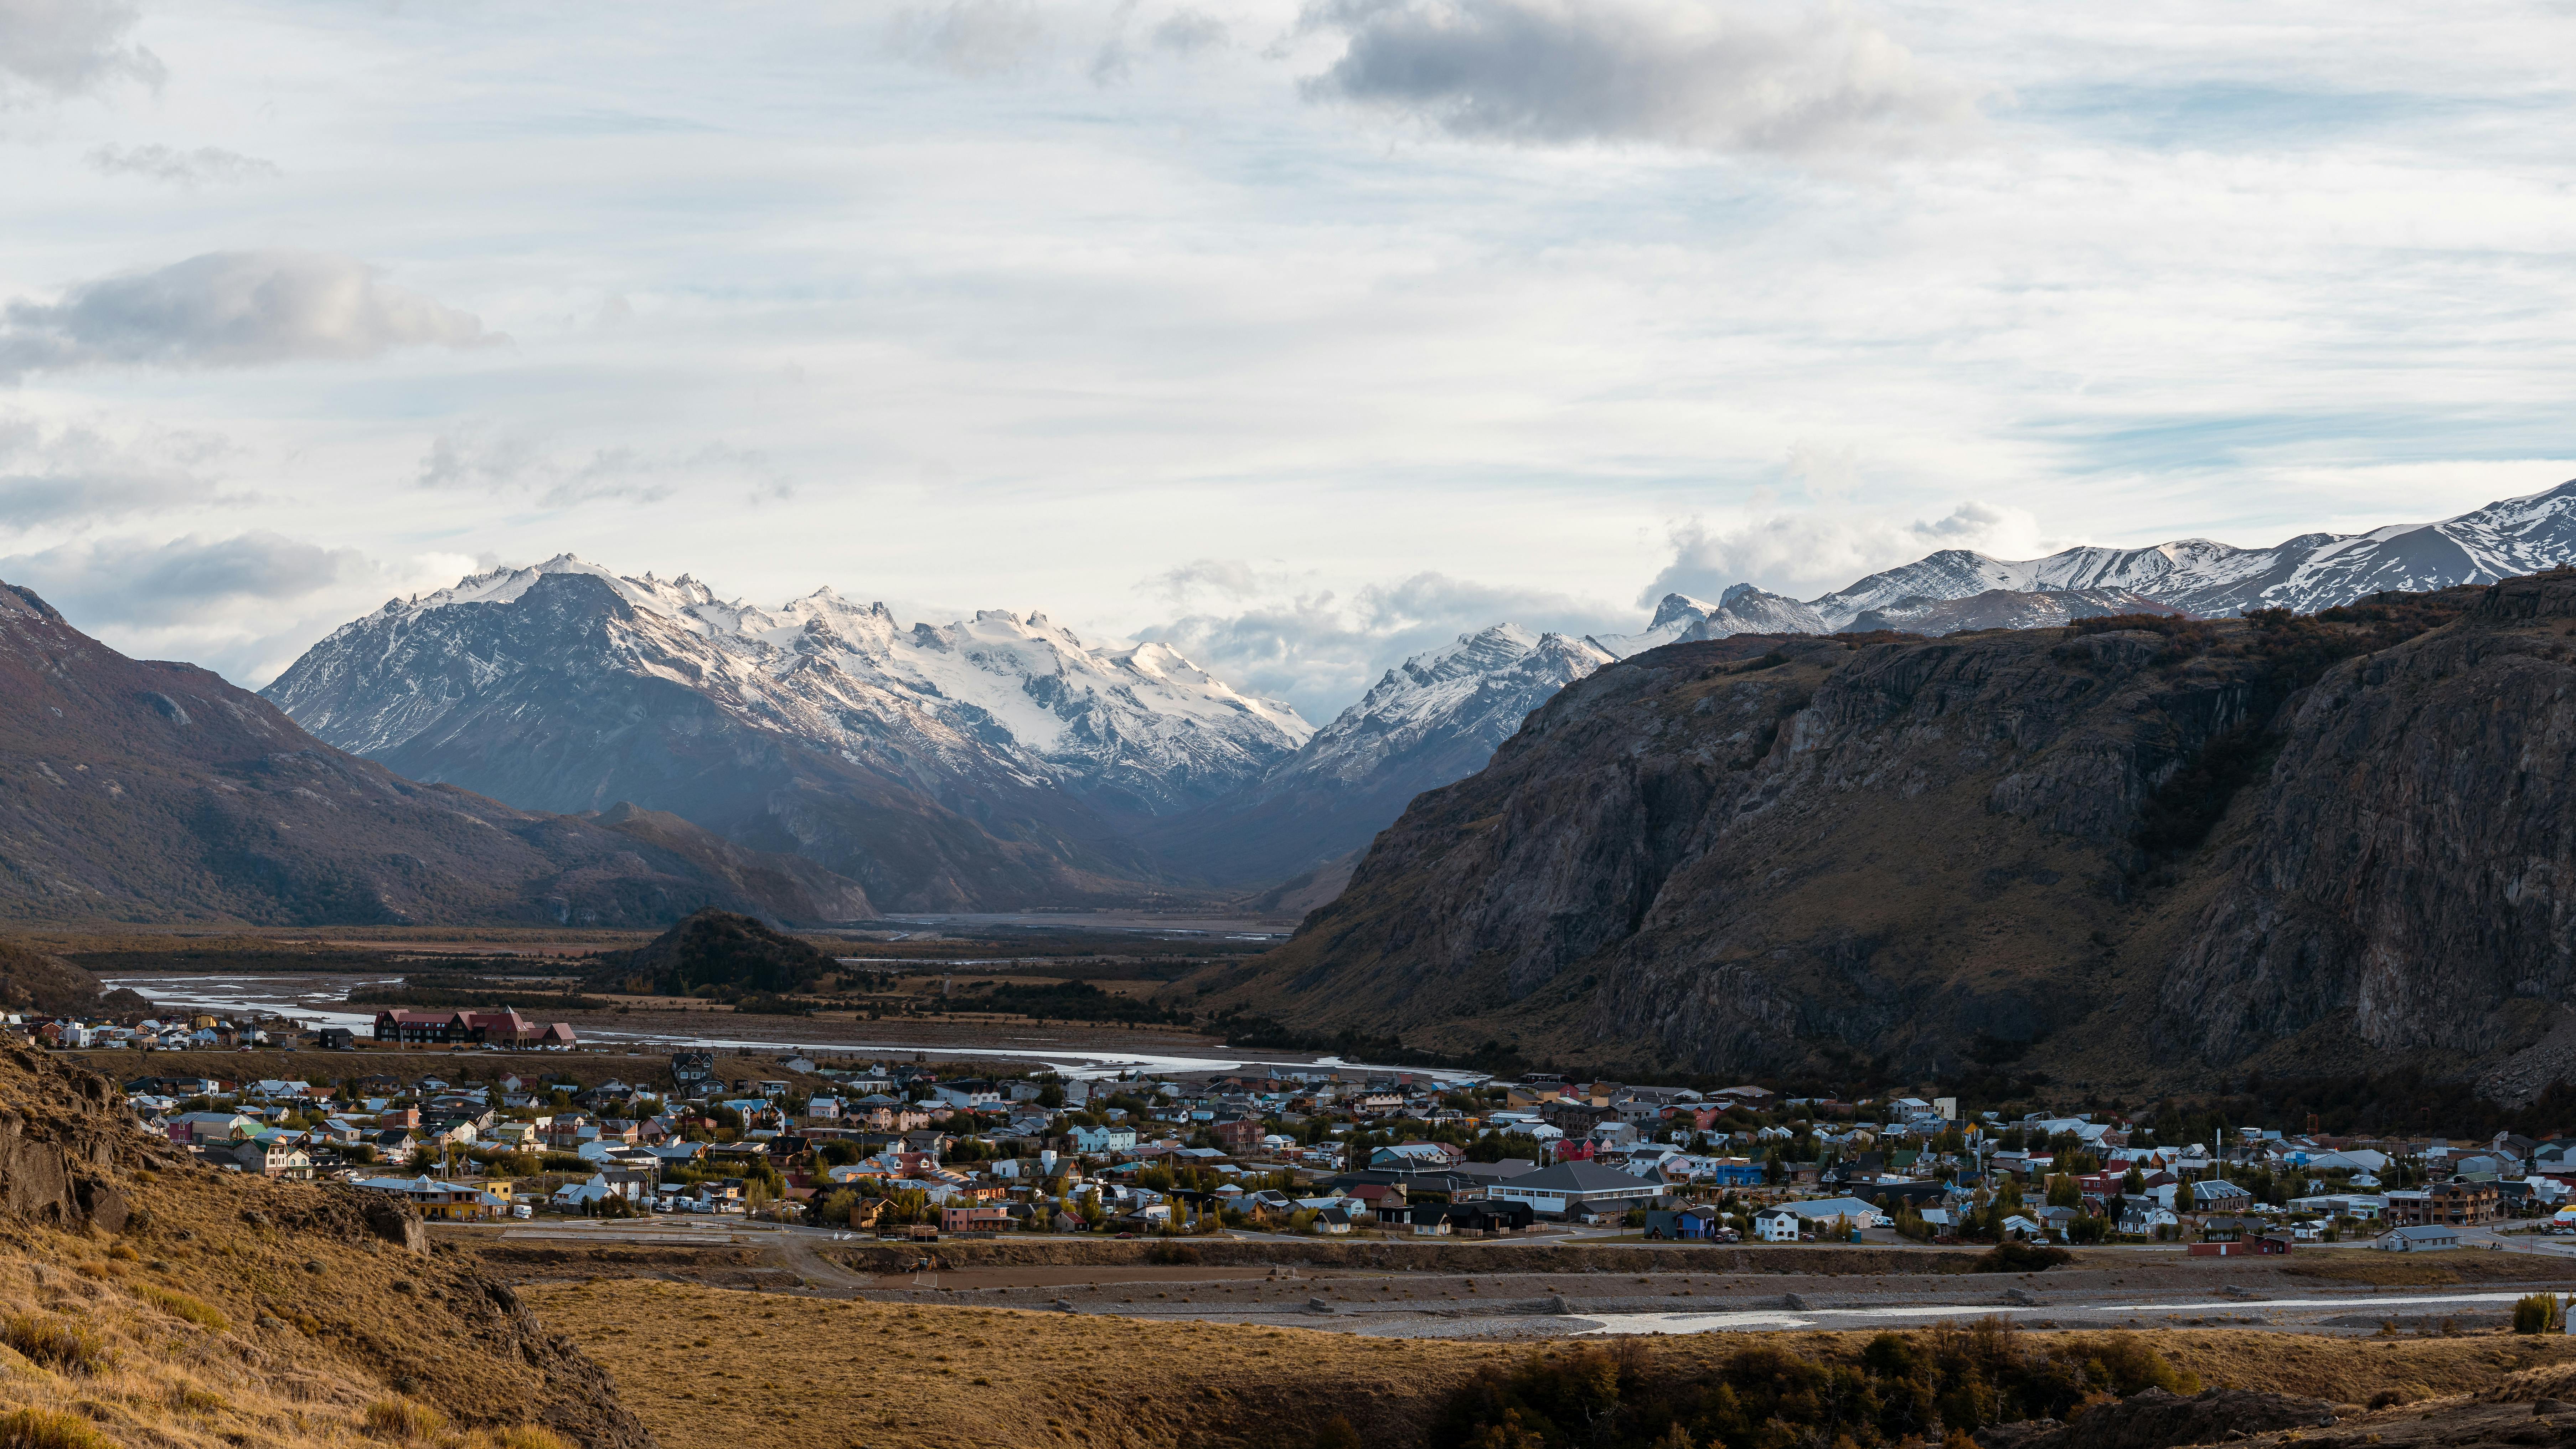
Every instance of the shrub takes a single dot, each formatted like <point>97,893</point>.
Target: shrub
<point>1907,1387</point>
<point>2539,1313</point>
<point>197,1400</point>
<point>55,1344</point>
<point>402,1419</point>
<point>179,1305</point>
<point>49,1429</point>
<point>2020,1258</point>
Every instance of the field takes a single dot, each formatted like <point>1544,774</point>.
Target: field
<point>707,1368</point>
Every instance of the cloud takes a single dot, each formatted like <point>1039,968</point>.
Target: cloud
<point>205,166</point>
<point>1805,555</point>
<point>1319,650</point>
<point>1794,79</point>
<point>129,581</point>
<point>1187,32</point>
<point>512,463</point>
<point>60,48</point>
<point>78,475</point>
<point>968,37</point>
<point>229,309</point>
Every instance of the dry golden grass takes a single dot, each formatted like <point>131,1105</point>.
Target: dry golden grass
<point>233,1310</point>
<point>2406,1270</point>
<point>109,1368</point>
<point>710,1368</point>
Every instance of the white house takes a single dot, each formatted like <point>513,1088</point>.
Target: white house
<point>1777,1225</point>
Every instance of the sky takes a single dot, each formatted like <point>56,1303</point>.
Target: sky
<point>1301,335</point>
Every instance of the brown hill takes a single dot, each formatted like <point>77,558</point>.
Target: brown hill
<point>145,1300</point>
<point>142,791</point>
<point>2135,849</point>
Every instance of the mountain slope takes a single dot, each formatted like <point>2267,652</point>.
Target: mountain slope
<point>1432,719</point>
<point>2310,572</point>
<point>2005,609</point>
<point>2141,850</point>
<point>980,765</point>
<point>143,791</point>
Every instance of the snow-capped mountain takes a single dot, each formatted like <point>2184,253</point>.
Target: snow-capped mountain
<point>1956,589</point>
<point>1433,719</point>
<point>983,759</point>
<point>2310,572</point>
<point>1742,609</point>
<point>2006,609</point>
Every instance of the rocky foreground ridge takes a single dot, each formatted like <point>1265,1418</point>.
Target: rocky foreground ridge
<point>2132,848</point>
<point>172,1304</point>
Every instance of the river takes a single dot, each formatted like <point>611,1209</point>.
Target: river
<point>319,999</point>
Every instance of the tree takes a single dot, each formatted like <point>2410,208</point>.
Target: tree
<point>2133,1183</point>
<point>2064,1191</point>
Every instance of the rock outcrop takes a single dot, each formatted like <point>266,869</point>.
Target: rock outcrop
<point>2137,847</point>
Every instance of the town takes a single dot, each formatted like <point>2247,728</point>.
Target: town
<point>926,1151</point>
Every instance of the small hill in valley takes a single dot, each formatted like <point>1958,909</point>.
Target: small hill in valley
<point>715,953</point>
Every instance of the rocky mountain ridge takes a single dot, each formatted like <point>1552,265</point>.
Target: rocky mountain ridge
<point>141,791</point>
<point>1432,719</point>
<point>2131,848</point>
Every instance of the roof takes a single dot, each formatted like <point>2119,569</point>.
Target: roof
<point>2418,1234</point>
<point>1832,1207</point>
<point>1577,1177</point>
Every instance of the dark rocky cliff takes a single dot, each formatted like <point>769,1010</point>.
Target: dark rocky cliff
<point>2132,849</point>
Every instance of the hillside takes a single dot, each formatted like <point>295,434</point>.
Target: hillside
<point>714,949</point>
<point>2133,850</point>
<point>1432,719</point>
<point>140,791</point>
<point>151,1301</point>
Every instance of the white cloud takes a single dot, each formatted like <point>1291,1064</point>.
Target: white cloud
<point>205,166</point>
<point>1812,553</point>
<point>968,37</point>
<point>1795,79</point>
<point>60,48</point>
<point>514,464</point>
<point>79,475</point>
<point>138,581</point>
<point>228,309</point>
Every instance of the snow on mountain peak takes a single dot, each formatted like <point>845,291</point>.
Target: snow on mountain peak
<point>1143,720</point>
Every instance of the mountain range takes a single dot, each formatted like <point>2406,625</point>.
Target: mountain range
<point>1004,762</point>
<point>153,792</point>
<point>593,747</point>
<point>2131,854</point>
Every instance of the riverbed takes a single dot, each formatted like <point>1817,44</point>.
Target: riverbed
<point>1073,1050</point>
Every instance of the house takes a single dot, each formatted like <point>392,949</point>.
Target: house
<point>1417,1154</point>
<point>2427,1238</point>
<point>1820,1212</point>
<point>450,1201</point>
<point>1696,1224</point>
<point>2446,1204</point>
<point>1575,1189</point>
<point>960,1218</point>
<point>2140,1217</point>
<point>2215,1195</point>
<point>1097,1141</point>
<point>1778,1225</point>
<point>336,1039</point>
<point>194,1127</point>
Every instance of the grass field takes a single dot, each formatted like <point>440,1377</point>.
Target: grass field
<point>709,1368</point>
